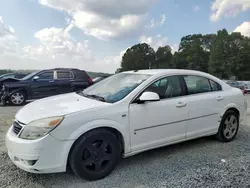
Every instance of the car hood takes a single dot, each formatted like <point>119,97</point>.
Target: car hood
<point>59,105</point>
<point>3,80</point>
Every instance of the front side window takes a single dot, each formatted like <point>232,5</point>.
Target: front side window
<point>167,87</point>
<point>115,88</point>
<point>46,75</point>
<point>29,76</point>
<point>197,84</point>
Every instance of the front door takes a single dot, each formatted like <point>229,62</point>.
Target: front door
<point>157,123</point>
<point>44,86</point>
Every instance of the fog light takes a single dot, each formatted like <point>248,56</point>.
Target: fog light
<point>26,162</point>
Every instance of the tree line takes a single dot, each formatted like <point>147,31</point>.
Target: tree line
<point>224,55</point>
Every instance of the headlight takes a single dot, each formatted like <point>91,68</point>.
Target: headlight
<point>3,87</point>
<point>39,128</point>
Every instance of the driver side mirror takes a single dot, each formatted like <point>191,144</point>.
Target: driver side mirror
<point>35,78</point>
<point>149,96</point>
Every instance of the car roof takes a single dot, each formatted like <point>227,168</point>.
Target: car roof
<point>165,71</point>
<point>69,69</point>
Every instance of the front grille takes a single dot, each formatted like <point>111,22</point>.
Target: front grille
<point>16,127</point>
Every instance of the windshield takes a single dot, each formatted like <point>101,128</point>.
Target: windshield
<point>116,87</point>
<point>29,76</point>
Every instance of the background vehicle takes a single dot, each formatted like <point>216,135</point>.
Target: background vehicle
<point>247,88</point>
<point>13,75</point>
<point>121,116</point>
<point>98,79</point>
<point>237,85</point>
<point>43,84</point>
<point>9,77</point>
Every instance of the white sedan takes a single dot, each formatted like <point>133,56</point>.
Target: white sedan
<point>121,116</point>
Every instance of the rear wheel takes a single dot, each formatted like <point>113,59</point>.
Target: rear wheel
<point>17,98</point>
<point>229,126</point>
<point>95,154</point>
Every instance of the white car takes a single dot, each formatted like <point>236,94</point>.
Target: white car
<point>121,116</point>
<point>247,88</point>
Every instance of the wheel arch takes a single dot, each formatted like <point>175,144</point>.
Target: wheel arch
<point>232,107</point>
<point>115,131</point>
<point>18,90</point>
<point>235,110</point>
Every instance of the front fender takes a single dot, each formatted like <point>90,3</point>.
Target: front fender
<point>101,123</point>
<point>15,90</point>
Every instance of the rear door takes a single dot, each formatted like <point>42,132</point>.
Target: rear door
<point>44,86</point>
<point>205,100</point>
<point>63,80</point>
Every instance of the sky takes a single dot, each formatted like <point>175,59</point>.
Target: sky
<point>93,35</point>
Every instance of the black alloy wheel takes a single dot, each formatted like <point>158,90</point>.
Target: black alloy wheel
<point>95,154</point>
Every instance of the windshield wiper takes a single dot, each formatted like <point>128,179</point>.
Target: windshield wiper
<point>93,96</point>
<point>98,97</point>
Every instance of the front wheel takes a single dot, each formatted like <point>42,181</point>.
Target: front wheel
<point>95,154</point>
<point>229,126</point>
<point>17,98</point>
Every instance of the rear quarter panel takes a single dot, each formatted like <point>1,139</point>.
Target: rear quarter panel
<point>80,80</point>
<point>234,98</point>
<point>79,84</point>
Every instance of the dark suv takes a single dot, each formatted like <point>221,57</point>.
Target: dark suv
<point>44,83</point>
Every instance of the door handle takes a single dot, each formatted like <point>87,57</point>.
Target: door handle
<point>181,104</point>
<point>219,98</point>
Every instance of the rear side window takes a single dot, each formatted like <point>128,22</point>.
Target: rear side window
<point>197,84</point>
<point>65,75</point>
<point>215,86</point>
<point>81,75</point>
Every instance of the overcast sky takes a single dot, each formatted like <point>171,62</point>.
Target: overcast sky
<point>94,34</point>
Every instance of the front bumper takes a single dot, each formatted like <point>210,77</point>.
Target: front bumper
<point>247,90</point>
<point>3,97</point>
<point>45,155</point>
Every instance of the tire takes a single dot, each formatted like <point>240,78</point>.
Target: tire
<point>17,98</point>
<point>228,127</point>
<point>95,154</point>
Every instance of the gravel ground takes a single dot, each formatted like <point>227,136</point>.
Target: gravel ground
<point>203,162</point>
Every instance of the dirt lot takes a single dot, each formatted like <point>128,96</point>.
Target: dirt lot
<point>203,162</point>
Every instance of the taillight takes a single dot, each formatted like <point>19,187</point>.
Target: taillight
<point>243,92</point>
<point>90,81</point>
